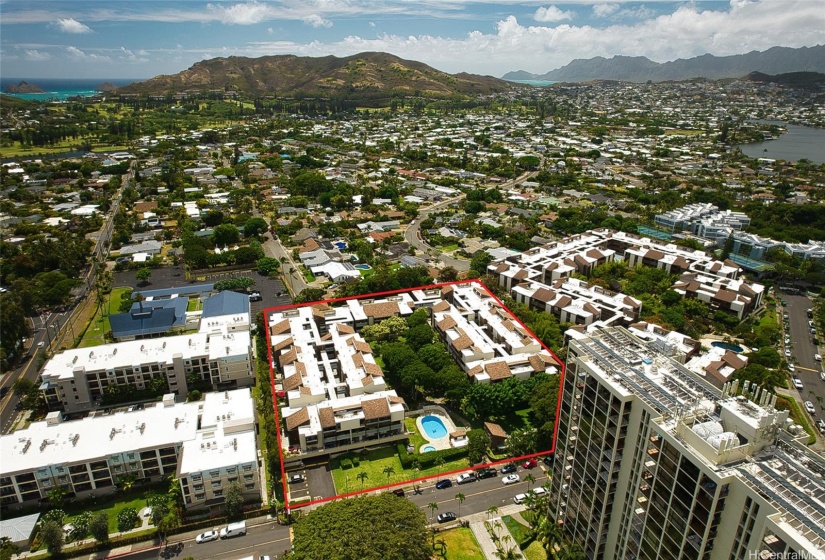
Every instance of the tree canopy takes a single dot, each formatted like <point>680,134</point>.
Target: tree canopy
<point>383,527</point>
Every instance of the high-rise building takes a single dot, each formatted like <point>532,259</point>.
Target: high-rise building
<point>653,462</point>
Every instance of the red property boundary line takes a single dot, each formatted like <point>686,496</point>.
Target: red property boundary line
<point>476,281</point>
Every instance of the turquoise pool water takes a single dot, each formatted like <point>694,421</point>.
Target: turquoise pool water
<point>734,347</point>
<point>434,428</point>
<point>363,266</point>
<point>427,449</point>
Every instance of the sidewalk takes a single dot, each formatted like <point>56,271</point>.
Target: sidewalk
<point>485,541</point>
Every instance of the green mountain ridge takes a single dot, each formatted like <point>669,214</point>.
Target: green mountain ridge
<point>284,75</point>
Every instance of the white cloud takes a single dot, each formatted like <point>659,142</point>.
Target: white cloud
<point>604,10</point>
<point>270,31</point>
<point>71,25</point>
<point>551,14</point>
<point>372,24</point>
<point>317,21</point>
<point>77,54</point>
<point>36,56</point>
<point>248,13</point>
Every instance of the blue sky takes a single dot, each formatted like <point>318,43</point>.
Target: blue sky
<point>144,38</point>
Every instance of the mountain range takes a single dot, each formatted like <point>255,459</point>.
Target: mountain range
<point>776,60</point>
<point>369,74</point>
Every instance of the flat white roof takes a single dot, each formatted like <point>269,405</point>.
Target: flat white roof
<point>214,449</point>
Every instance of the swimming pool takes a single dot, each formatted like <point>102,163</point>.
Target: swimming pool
<point>363,266</point>
<point>725,345</point>
<point>433,427</point>
<point>427,449</point>
<point>340,244</point>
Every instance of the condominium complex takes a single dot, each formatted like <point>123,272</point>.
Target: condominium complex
<point>542,277</point>
<point>336,396</point>
<point>704,220</point>
<point>211,441</point>
<point>654,462</point>
<point>76,380</point>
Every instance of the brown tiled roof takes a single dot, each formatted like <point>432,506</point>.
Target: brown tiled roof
<point>446,323</point>
<point>564,301</point>
<point>462,342</point>
<point>654,254</point>
<point>358,359</point>
<point>631,302</point>
<point>459,432</point>
<point>446,290</point>
<point>279,328</point>
<point>594,254</point>
<point>344,329</point>
<point>366,380</point>
<point>293,382</point>
<point>375,408</point>
<point>373,369</point>
<point>381,310</point>
<point>397,400</point>
<point>301,369</point>
<point>361,346</point>
<point>283,344</point>
<point>441,306</point>
<point>536,363</point>
<point>318,311</point>
<point>591,308</point>
<point>725,295</point>
<point>733,360</point>
<point>552,266</point>
<point>327,417</point>
<point>304,390</point>
<point>326,337</point>
<point>475,370</point>
<point>495,430</point>
<point>580,261</point>
<point>544,295</point>
<point>297,419</point>
<point>288,357</point>
<point>520,275</point>
<point>509,325</point>
<point>498,370</point>
<point>745,289</point>
<point>681,262</point>
<point>503,267</point>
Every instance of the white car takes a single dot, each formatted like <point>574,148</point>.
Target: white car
<point>510,479</point>
<point>798,383</point>
<point>809,406</point>
<point>817,357</point>
<point>206,537</point>
<point>787,352</point>
<point>791,367</point>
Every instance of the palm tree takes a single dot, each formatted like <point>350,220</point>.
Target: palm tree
<point>389,471</point>
<point>530,479</point>
<point>460,497</point>
<point>442,545</point>
<point>362,476</point>
<point>491,511</point>
<point>432,506</point>
<point>548,534</point>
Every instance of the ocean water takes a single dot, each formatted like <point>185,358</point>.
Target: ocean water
<point>534,82</point>
<point>59,89</point>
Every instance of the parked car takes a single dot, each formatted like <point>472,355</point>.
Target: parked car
<point>548,460</point>
<point>488,472</point>
<point>791,367</point>
<point>445,517</point>
<point>821,425</point>
<point>255,296</point>
<point>206,537</point>
<point>529,464</point>
<point>399,492</point>
<point>787,352</point>
<point>817,357</point>
<point>797,383</point>
<point>465,478</point>
<point>809,406</point>
<point>442,484</point>
<point>511,468</point>
<point>296,478</point>
<point>233,530</point>
<point>511,479</point>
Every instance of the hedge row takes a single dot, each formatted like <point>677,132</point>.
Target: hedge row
<point>429,459</point>
<point>350,461</point>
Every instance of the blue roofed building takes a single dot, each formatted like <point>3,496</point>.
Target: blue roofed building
<point>225,312</point>
<point>147,319</point>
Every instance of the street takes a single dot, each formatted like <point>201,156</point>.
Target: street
<point>803,349</point>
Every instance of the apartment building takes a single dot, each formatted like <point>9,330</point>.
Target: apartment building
<point>653,461</point>
<point>76,380</point>
<point>544,272</point>
<point>335,390</point>
<point>94,454</point>
<point>705,220</point>
<point>754,247</point>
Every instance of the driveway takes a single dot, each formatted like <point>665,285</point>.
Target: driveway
<point>320,481</point>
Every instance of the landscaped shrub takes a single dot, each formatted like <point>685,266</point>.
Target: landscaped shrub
<point>356,462</point>
<point>127,519</point>
<point>346,463</point>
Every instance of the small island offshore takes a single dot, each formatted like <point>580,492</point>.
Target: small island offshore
<point>23,87</point>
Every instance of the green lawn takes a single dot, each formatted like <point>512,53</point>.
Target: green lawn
<point>193,304</point>
<point>520,532</point>
<point>458,544</point>
<point>374,464</point>
<point>450,247</point>
<point>416,439</point>
<point>95,334</point>
<point>112,509</point>
<point>534,552</point>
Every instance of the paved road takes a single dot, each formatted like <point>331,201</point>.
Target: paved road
<point>803,350</point>
<point>292,273</point>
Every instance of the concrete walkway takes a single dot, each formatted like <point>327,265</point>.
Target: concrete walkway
<point>485,541</point>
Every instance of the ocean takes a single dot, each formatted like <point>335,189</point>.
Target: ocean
<point>535,82</point>
<point>59,89</point>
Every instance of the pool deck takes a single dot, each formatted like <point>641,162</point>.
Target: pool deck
<point>440,443</point>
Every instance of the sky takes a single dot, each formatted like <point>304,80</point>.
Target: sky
<point>145,38</point>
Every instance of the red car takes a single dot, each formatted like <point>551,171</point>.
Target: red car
<point>529,463</point>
